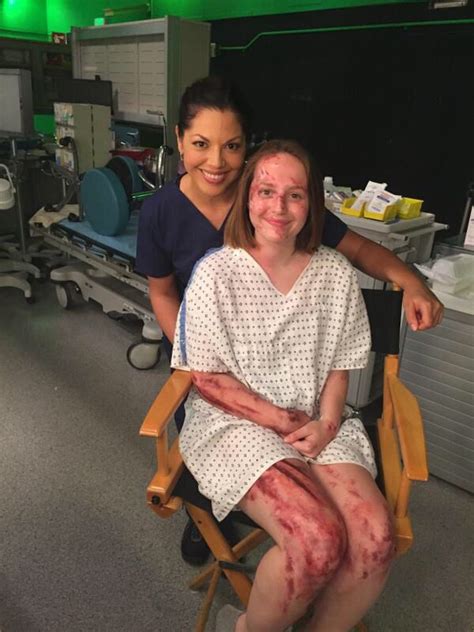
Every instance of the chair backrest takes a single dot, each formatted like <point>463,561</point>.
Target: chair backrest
<point>400,436</point>
<point>384,308</point>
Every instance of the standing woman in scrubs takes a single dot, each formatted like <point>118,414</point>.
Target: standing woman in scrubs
<point>186,217</point>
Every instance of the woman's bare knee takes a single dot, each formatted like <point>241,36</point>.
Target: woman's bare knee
<point>309,531</point>
<point>372,539</point>
<point>314,552</point>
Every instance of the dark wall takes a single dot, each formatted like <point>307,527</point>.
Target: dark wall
<point>387,104</point>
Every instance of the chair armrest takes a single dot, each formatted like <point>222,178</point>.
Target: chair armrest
<point>166,403</point>
<point>410,430</point>
<point>161,486</point>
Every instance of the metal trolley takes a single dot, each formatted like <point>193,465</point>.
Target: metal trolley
<point>102,270</point>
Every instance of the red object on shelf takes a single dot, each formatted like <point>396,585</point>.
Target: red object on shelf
<point>135,153</point>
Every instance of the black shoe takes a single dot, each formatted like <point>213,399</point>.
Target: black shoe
<point>194,549</point>
<point>229,531</point>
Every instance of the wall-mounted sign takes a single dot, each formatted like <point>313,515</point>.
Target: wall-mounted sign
<point>59,38</point>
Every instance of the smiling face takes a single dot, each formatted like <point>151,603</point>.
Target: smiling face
<point>213,149</point>
<point>278,199</point>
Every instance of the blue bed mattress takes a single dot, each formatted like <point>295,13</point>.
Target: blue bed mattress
<point>124,245</point>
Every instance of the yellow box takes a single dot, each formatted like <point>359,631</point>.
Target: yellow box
<point>389,213</point>
<point>408,208</point>
<point>348,210</point>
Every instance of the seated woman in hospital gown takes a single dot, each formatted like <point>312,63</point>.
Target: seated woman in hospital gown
<point>269,327</point>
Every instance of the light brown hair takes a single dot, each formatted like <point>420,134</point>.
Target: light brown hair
<point>239,232</point>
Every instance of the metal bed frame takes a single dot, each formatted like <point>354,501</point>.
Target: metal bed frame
<point>102,270</point>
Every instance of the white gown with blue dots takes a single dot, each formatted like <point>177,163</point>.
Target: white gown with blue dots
<point>282,346</point>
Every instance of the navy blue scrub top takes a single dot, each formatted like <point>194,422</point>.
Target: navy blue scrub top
<point>173,235</point>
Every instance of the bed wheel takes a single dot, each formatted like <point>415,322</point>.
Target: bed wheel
<point>65,293</point>
<point>144,355</point>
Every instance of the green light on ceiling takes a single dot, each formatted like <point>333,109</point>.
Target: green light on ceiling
<point>20,9</point>
<point>99,21</point>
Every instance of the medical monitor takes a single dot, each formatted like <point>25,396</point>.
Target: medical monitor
<point>94,91</point>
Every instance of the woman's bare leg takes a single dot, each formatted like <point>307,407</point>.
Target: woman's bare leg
<point>370,548</point>
<point>309,536</point>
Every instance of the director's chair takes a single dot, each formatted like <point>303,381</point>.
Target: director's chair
<point>400,451</point>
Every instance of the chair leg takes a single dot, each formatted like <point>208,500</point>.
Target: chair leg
<point>203,615</point>
<point>221,550</point>
<point>245,546</point>
<point>250,542</point>
<point>202,578</point>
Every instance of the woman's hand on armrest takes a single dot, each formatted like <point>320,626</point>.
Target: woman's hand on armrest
<point>422,308</point>
<point>226,392</point>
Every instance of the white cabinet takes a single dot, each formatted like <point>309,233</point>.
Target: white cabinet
<point>149,63</point>
<point>89,126</point>
<point>16,101</point>
<point>438,366</point>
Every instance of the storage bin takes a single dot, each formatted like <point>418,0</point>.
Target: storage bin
<point>389,213</point>
<point>408,208</point>
<point>348,210</point>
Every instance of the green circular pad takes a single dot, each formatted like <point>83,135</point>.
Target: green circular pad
<point>104,201</point>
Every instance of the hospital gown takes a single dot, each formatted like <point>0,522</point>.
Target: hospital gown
<point>281,346</point>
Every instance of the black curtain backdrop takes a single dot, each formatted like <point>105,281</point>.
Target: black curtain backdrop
<point>393,105</point>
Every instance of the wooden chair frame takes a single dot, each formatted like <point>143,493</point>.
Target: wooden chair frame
<point>403,460</point>
<point>170,467</point>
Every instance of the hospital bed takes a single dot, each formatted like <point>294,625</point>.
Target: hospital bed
<point>101,269</point>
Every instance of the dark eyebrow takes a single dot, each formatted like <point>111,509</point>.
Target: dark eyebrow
<point>231,140</point>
